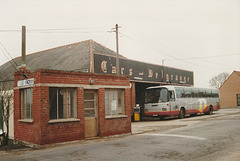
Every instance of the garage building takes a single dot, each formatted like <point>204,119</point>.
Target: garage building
<point>73,92</point>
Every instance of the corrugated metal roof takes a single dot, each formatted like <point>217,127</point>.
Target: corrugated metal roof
<point>72,57</point>
<point>100,49</point>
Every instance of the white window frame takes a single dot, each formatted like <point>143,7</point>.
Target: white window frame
<point>113,106</point>
<point>24,93</point>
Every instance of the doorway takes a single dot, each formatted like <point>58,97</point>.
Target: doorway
<point>90,113</point>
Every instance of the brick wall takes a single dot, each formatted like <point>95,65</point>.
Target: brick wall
<point>114,126</point>
<point>229,89</point>
<point>26,131</point>
<point>41,131</point>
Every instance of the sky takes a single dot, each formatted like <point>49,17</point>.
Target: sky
<point>202,36</point>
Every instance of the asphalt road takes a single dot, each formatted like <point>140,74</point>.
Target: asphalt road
<point>200,138</point>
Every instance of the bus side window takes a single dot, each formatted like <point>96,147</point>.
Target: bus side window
<point>209,92</point>
<point>215,93</point>
<point>188,92</point>
<point>195,93</point>
<point>179,92</point>
<point>202,93</point>
<point>171,95</point>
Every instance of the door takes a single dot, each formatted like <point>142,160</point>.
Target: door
<point>172,102</point>
<point>90,113</point>
<point>238,99</point>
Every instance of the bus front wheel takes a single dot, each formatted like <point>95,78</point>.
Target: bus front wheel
<point>181,113</point>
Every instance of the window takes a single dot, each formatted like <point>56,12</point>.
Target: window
<point>179,93</point>
<point>209,92</point>
<point>26,103</point>
<point>195,93</point>
<point>89,104</point>
<point>188,92</point>
<point>156,95</point>
<point>215,93</point>
<point>202,93</point>
<point>171,95</point>
<point>114,102</point>
<point>62,103</point>
<point>163,95</point>
<point>238,99</point>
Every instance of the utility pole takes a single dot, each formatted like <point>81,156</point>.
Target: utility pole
<point>117,58</point>
<point>24,45</point>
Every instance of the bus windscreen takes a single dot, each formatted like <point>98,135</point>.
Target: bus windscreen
<point>156,95</point>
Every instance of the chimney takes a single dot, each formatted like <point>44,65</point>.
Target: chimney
<point>23,46</point>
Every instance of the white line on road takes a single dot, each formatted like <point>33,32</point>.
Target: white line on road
<point>181,136</point>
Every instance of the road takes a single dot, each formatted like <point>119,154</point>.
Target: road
<point>206,137</point>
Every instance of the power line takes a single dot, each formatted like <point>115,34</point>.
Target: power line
<point>25,76</point>
<point>183,59</point>
<point>214,56</point>
<point>63,30</point>
<point>164,53</point>
<point>78,28</point>
<point>9,56</point>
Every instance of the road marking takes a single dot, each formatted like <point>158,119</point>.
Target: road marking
<point>181,136</point>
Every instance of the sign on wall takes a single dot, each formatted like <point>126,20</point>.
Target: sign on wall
<point>142,71</point>
<point>25,82</point>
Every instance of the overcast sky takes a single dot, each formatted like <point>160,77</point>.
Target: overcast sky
<point>202,36</point>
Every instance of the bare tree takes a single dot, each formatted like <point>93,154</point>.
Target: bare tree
<point>6,108</point>
<point>218,80</point>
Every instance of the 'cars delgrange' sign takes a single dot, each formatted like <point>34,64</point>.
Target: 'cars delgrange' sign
<point>142,71</point>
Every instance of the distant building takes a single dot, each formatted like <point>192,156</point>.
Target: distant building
<point>230,91</point>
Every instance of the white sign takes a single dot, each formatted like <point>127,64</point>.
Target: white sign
<point>25,82</point>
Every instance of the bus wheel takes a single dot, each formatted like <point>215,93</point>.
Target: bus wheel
<point>181,113</point>
<point>210,112</point>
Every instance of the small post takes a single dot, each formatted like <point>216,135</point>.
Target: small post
<point>117,58</point>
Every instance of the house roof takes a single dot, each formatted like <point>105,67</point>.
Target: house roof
<point>237,72</point>
<point>72,57</point>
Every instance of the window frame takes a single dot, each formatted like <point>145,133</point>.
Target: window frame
<point>171,93</point>
<point>88,100</point>
<point>188,92</point>
<point>25,114</point>
<point>202,93</point>
<point>208,93</point>
<point>179,92</point>
<point>215,93</point>
<point>238,99</point>
<point>72,102</point>
<point>195,93</point>
<point>108,111</point>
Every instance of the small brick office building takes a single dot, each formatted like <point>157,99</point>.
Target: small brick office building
<point>60,106</point>
<point>72,92</point>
